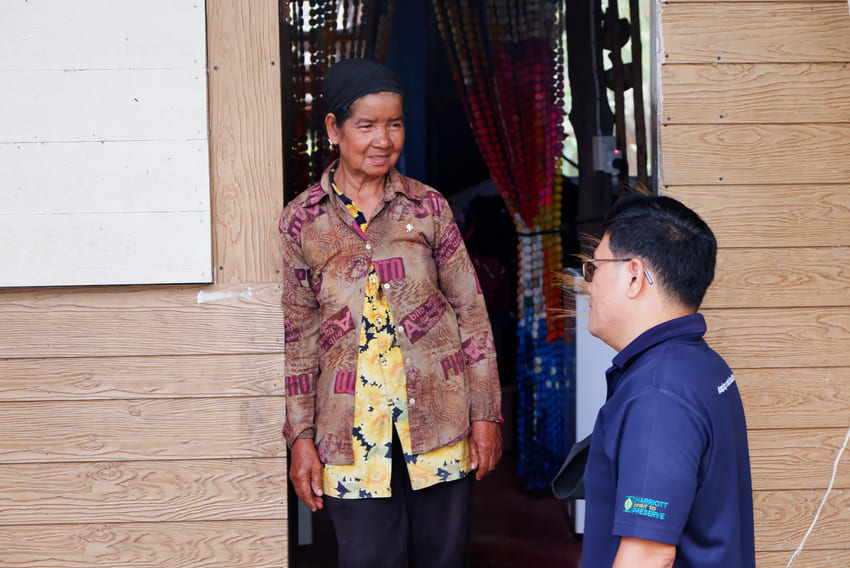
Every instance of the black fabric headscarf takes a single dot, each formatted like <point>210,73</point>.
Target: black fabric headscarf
<point>350,79</point>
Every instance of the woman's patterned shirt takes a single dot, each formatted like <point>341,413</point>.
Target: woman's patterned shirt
<point>442,328</point>
<point>380,403</point>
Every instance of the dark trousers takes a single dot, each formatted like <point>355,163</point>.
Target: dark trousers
<point>431,526</point>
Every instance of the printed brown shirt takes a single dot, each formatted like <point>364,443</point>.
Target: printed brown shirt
<point>430,284</point>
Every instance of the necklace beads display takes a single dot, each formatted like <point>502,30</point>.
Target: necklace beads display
<point>507,62</point>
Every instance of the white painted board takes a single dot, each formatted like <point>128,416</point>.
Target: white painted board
<point>37,179</point>
<point>95,105</point>
<point>122,248</point>
<point>102,34</point>
<point>104,145</point>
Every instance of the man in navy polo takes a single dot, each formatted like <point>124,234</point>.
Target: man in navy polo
<point>667,481</point>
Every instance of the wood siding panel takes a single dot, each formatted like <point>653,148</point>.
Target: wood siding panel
<point>795,458</point>
<point>800,215</point>
<point>142,491</point>
<point>141,429</point>
<point>830,558</point>
<point>756,93</point>
<point>780,277</point>
<point>754,115</point>
<point>134,321</point>
<point>246,544</point>
<point>246,146</point>
<point>783,517</point>
<point>814,397</point>
<point>750,32</point>
<point>754,154</point>
<point>85,378</point>
<point>780,337</point>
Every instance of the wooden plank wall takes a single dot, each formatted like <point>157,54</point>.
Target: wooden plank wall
<point>141,425</point>
<point>754,128</point>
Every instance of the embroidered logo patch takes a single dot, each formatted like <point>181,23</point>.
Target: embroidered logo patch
<point>645,507</point>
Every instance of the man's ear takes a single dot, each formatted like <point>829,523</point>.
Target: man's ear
<point>331,128</point>
<point>637,277</point>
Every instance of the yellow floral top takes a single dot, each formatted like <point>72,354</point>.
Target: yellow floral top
<point>380,402</point>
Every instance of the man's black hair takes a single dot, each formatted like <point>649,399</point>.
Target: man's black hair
<point>677,246</point>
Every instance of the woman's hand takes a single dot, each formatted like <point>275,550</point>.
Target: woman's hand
<point>305,471</point>
<point>485,446</point>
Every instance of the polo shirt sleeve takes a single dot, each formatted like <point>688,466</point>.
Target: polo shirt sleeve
<point>661,443</point>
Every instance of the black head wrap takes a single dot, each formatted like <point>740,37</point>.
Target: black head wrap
<point>350,79</point>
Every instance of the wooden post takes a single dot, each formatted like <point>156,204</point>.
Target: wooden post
<point>612,22</point>
<point>637,93</point>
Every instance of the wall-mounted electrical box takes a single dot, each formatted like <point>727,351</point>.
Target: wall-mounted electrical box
<point>605,154</point>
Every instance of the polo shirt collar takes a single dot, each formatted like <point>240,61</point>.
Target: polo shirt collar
<point>690,325</point>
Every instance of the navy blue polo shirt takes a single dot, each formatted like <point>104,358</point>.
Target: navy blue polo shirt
<point>668,458</point>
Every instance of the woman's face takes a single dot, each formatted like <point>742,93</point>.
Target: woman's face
<point>370,141</point>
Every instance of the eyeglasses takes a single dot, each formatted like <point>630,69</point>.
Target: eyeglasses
<point>588,268</point>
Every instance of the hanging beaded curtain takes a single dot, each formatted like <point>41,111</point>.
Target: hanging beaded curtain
<point>507,57</point>
<point>323,32</point>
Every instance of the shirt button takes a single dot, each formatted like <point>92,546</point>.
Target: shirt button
<point>387,286</point>
<point>412,401</point>
<point>400,329</point>
<point>368,246</point>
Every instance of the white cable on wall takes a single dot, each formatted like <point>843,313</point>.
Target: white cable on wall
<point>831,481</point>
<point>825,495</point>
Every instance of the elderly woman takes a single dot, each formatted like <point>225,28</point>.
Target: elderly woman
<point>392,390</point>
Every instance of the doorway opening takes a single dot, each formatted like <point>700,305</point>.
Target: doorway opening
<point>604,149</point>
